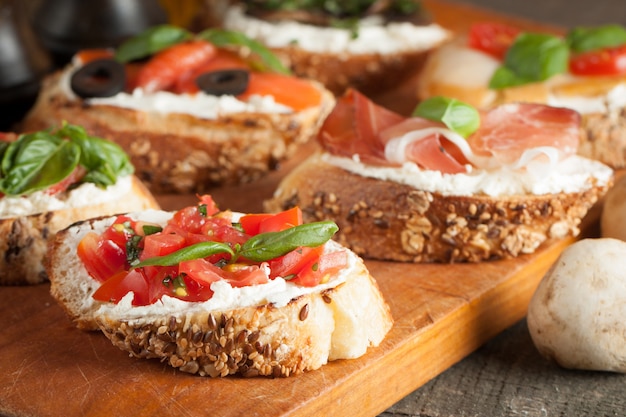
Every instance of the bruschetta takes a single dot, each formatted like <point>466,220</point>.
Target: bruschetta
<point>450,184</point>
<point>215,293</point>
<point>368,45</point>
<point>51,179</point>
<point>584,70</point>
<point>192,110</point>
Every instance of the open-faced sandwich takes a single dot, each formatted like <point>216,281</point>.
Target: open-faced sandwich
<point>584,70</point>
<point>51,179</point>
<point>192,111</point>
<point>369,45</point>
<point>218,293</point>
<point>450,184</point>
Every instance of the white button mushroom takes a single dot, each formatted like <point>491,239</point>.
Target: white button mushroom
<point>577,315</point>
<point>612,220</point>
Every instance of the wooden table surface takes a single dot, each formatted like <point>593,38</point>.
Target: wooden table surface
<point>507,376</point>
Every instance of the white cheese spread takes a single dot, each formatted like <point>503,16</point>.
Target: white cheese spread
<point>200,105</point>
<point>85,194</point>
<point>373,35</point>
<point>570,175</point>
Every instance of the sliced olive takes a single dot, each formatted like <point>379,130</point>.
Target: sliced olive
<point>99,78</point>
<point>218,83</point>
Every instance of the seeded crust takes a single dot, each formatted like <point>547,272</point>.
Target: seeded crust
<point>24,239</point>
<point>368,73</point>
<point>391,221</point>
<point>180,153</point>
<point>340,322</point>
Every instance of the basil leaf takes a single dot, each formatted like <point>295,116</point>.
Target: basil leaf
<point>196,251</point>
<point>36,161</point>
<point>582,39</point>
<point>532,57</point>
<point>150,42</point>
<point>222,38</point>
<point>104,160</point>
<point>456,115</point>
<point>270,245</point>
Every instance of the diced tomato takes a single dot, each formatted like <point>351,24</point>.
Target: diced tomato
<point>102,257</point>
<point>201,271</point>
<point>120,284</point>
<point>117,232</point>
<point>318,271</point>
<point>607,61</point>
<point>210,207</point>
<point>223,59</point>
<point>250,223</point>
<point>161,244</point>
<point>492,38</point>
<point>243,276</point>
<point>294,261</point>
<point>281,221</point>
<point>189,219</point>
<point>87,55</point>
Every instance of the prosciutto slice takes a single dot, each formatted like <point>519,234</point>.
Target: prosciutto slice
<point>513,135</point>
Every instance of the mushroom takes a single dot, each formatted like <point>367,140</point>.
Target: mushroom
<point>612,222</point>
<point>577,315</point>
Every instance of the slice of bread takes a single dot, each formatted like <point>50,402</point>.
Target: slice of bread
<point>389,220</point>
<point>279,333</point>
<point>372,58</point>
<point>25,237</point>
<point>182,153</point>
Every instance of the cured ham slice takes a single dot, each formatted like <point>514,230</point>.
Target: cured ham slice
<point>513,135</point>
<point>508,131</point>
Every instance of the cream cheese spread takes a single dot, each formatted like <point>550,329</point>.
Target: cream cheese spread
<point>373,35</point>
<point>85,194</point>
<point>569,175</point>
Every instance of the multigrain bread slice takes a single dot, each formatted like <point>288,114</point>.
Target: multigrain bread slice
<point>182,153</point>
<point>281,333</point>
<point>390,220</point>
<point>373,57</point>
<point>25,237</point>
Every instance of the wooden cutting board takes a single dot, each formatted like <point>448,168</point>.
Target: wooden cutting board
<point>442,313</point>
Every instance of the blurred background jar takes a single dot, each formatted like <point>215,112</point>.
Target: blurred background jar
<point>67,26</point>
<point>23,63</point>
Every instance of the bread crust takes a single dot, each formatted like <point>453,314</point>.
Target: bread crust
<point>391,221</point>
<point>25,238</point>
<point>335,322</point>
<point>181,153</point>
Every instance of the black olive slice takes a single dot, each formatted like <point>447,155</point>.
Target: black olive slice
<point>99,78</point>
<point>222,82</point>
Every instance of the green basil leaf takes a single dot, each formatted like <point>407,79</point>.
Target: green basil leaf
<point>150,229</point>
<point>150,42</point>
<point>266,246</point>
<point>104,160</point>
<point>583,39</point>
<point>196,251</point>
<point>222,38</point>
<point>457,116</point>
<point>36,161</point>
<point>532,57</point>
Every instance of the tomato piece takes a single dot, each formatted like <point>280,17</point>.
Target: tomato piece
<point>607,61</point>
<point>87,55</point>
<point>492,38</point>
<point>190,219</point>
<point>222,60</point>
<point>250,223</point>
<point>243,276</point>
<point>161,244</point>
<point>318,271</point>
<point>165,67</point>
<point>210,206</point>
<point>299,94</point>
<point>293,262</point>
<point>102,257</point>
<point>117,232</point>
<point>120,284</point>
<point>201,271</point>
<point>281,221</point>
